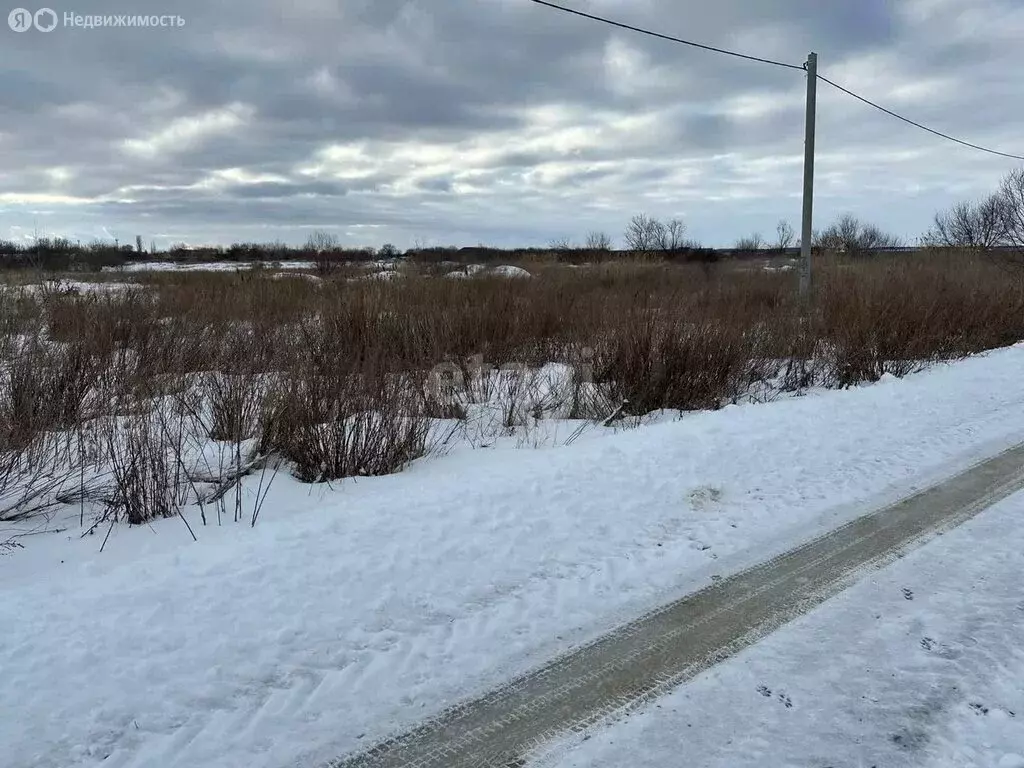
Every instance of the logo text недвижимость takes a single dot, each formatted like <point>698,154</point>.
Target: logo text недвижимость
<point>47,19</point>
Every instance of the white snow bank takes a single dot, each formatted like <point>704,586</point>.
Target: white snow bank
<point>479,270</point>
<point>73,287</point>
<point>466,271</point>
<point>348,614</point>
<point>387,274</point>
<point>511,272</point>
<point>213,266</point>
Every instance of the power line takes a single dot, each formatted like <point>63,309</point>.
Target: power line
<point>916,124</point>
<point>669,38</point>
<point>660,36</point>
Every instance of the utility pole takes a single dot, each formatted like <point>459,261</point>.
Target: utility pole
<point>808,216</point>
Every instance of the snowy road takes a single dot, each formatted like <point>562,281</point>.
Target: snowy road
<point>918,665</point>
<point>646,658</point>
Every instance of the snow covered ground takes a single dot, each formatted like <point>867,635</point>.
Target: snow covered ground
<point>232,266</point>
<point>920,664</point>
<point>71,287</point>
<point>480,270</point>
<point>209,266</point>
<point>351,613</point>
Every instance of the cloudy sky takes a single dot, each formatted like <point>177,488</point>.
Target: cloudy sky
<point>494,121</point>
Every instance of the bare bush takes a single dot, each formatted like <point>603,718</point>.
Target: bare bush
<point>348,425</point>
<point>1011,192</point>
<point>142,470</point>
<point>977,226</point>
<point>658,360</point>
<point>235,405</point>
<point>598,242</point>
<point>45,388</point>
<point>38,476</point>
<point>562,246</point>
<point>852,237</point>
<point>993,225</point>
<point>751,243</point>
<point>903,314</point>
<point>325,248</point>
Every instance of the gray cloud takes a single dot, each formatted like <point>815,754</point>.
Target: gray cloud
<point>494,121</point>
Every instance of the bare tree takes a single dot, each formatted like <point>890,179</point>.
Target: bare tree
<point>320,241</point>
<point>598,241</point>
<point>753,242</point>
<point>1012,193</point>
<point>672,235</point>
<point>643,234</point>
<point>785,236</point>
<point>647,234</point>
<point>977,226</point>
<point>324,246</point>
<point>853,237</point>
<point>561,245</point>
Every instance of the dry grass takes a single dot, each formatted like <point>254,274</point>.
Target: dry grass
<point>327,374</point>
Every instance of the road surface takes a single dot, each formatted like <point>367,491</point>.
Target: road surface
<point>646,658</point>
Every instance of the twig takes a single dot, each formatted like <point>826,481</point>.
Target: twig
<point>617,416</point>
<point>178,509</point>
<point>261,492</point>
<point>93,527</point>
<point>577,434</point>
<point>109,530</point>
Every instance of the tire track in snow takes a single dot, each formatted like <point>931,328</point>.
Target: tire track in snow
<point>647,657</point>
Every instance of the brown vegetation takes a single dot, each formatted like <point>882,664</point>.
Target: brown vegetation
<point>109,398</point>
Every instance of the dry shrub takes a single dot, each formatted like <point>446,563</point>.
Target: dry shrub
<point>37,475</point>
<point>235,405</point>
<point>346,424</point>
<point>330,374</point>
<point>897,315</point>
<point>44,388</point>
<point>659,361</point>
<point>143,471</point>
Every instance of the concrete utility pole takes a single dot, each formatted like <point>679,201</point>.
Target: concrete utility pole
<point>808,217</point>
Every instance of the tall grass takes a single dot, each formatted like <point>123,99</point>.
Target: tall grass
<point>326,376</point>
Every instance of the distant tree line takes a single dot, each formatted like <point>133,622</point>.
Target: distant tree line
<point>995,222</point>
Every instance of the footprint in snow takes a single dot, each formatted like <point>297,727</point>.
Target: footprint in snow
<point>765,691</point>
<point>705,496</point>
<point>941,650</point>
<point>908,593</point>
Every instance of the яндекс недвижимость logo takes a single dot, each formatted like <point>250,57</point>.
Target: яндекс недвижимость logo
<point>46,20</point>
<point>22,20</point>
